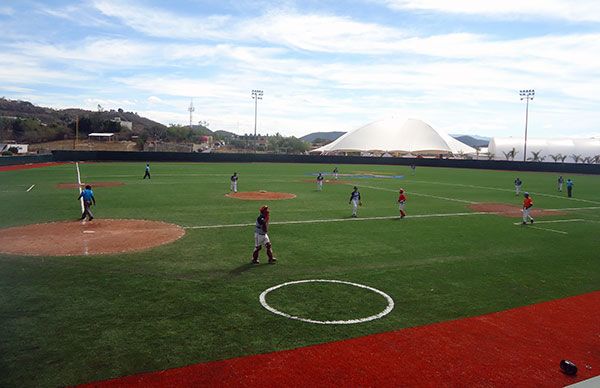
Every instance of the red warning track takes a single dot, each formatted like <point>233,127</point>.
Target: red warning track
<point>521,347</point>
<point>29,166</point>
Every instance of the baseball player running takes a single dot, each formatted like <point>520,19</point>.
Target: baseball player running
<point>88,198</point>
<point>527,204</point>
<point>355,201</point>
<point>261,237</point>
<point>234,181</point>
<point>401,201</point>
<point>320,182</point>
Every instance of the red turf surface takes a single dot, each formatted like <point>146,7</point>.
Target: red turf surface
<point>29,166</point>
<point>515,348</point>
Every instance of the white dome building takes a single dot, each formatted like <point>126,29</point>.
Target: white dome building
<point>396,136</point>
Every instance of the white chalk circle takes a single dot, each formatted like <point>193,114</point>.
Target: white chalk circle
<point>385,312</point>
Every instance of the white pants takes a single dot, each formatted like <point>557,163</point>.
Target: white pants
<point>517,189</point>
<point>354,206</point>
<point>401,206</point>
<point>560,187</point>
<point>526,216</point>
<point>336,175</point>
<point>233,187</point>
<point>261,239</point>
<point>320,185</point>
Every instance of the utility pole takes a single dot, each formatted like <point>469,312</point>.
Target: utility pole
<point>191,109</point>
<point>256,95</point>
<point>526,95</point>
<point>76,133</point>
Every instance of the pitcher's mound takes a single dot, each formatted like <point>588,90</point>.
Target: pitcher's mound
<point>100,236</point>
<point>511,210</point>
<point>260,195</point>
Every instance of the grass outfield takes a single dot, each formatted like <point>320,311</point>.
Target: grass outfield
<point>70,320</point>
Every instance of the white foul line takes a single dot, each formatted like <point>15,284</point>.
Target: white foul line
<point>341,220</point>
<point>555,221</point>
<point>510,190</point>
<point>79,186</point>
<point>29,189</point>
<point>417,194</point>
<point>546,229</point>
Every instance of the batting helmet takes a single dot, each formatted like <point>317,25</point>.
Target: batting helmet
<point>568,367</point>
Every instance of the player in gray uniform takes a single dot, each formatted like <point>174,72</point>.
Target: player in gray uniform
<point>261,237</point>
<point>518,184</point>
<point>234,180</point>
<point>355,201</point>
<point>320,182</point>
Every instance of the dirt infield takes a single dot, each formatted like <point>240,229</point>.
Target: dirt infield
<point>505,210</point>
<point>70,238</point>
<point>93,184</point>
<point>260,195</point>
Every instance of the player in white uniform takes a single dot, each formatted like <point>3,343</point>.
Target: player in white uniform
<point>320,182</point>
<point>261,237</point>
<point>335,172</point>
<point>234,180</point>
<point>560,183</point>
<point>355,201</point>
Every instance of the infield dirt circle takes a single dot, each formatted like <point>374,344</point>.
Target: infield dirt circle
<point>260,195</point>
<point>511,210</point>
<point>100,236</point>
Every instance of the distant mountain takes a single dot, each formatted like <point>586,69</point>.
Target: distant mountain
<point>473,141</point>
<point>331,136</point>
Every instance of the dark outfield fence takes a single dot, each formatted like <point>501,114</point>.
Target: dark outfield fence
<point>29,159</point>
<point>122,156</point>
<point>63,156</point>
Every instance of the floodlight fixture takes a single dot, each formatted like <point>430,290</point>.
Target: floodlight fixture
<point>526,95</point>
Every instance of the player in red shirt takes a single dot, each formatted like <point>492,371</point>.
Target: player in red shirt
<point>401,201</point>
<point>527,204</point>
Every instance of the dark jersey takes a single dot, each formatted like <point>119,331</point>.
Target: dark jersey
<point>234,178</point>
<point>355,195</point>
<point>261,225</point>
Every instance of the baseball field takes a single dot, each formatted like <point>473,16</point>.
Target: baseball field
<point>165,301</point>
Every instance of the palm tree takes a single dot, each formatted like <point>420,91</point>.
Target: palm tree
<point>587,160</point>
<point>536,156</point>
<point>596,159</point>
<point>576,158</point>
<point>555,157</point>
<point>491,156</point>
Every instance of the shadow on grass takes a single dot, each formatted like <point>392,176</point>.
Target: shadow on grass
<point>246,267</point>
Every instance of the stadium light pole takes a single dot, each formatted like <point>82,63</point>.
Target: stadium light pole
<point>256,95</point>
<point>526,95</point>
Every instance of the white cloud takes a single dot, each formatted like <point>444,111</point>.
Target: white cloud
<point>577,11</point>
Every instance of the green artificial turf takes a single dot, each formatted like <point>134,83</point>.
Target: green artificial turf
<point>70,320</point>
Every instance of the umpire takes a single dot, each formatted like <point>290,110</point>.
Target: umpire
<point>88,198</point>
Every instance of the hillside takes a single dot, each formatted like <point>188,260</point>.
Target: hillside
<point>331,136</point>
<point>66,117</point>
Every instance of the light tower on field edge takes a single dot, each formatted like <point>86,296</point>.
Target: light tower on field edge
<point>191,109</point>
<point>526,95</point>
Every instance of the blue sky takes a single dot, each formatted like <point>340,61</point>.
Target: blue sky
<point>323,65</point>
